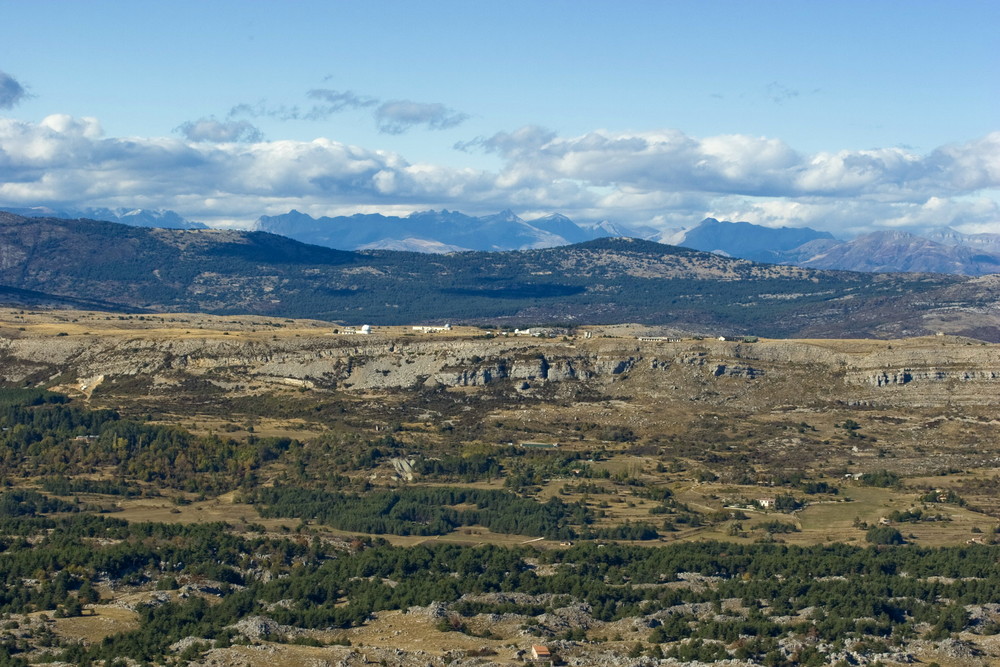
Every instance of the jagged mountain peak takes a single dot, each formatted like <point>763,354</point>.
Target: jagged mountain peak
<point>551,216</point>
<point>505,215</point>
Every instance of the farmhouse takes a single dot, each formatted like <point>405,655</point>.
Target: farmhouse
<point>540,653</point>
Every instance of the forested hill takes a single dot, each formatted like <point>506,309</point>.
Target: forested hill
<point>601,281</point>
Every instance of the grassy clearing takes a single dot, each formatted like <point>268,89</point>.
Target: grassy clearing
<point>162,510</point>
<point>101,621</point>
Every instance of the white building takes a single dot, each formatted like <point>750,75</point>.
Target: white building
<point>432,329</point>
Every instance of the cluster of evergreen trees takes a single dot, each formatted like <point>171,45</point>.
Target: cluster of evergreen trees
<point>425,510</point>
<point>42,434</point>
<point>829,593</point>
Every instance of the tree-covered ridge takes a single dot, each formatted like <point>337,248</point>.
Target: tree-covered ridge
<point>593,282</point>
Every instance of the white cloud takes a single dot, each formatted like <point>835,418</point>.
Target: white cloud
<point>849,217</point>
<point>665,178</point>
<point>974,165</point>
<point>965,214</point>
<point>65,160</point>
<point>673,161</point>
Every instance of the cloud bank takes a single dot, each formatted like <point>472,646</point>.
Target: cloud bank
<point>224,171</point>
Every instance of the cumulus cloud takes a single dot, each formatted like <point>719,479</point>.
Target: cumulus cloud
<point>219,131</point>
<point>220,169</point>
<point>974,165</point>
<point>666,160</point>
<point>12,93</point>
<point>68,160</point>
<point>743,165</point>
<point>846,218</point>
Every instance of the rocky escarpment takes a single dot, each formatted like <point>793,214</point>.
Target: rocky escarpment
<point>841,370</point>
<point>908,375</point>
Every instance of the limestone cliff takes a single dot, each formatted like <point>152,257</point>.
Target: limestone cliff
<point>926,370</point>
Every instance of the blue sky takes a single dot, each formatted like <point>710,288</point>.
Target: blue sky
<point>846,116</point>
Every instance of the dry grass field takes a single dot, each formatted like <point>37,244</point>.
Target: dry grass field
<point>100,621</point>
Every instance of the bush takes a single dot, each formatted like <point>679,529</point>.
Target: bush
<point>167,584</point>
<point>884,535</point>
<point>778,527</point>
<point>882,478</point>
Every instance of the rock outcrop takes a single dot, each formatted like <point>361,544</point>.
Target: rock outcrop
<point>854,372</point>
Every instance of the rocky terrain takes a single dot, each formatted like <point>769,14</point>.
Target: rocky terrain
<point>927,401</point>
<point>86,349</point>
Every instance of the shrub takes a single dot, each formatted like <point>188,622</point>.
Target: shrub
<point>884,535</point>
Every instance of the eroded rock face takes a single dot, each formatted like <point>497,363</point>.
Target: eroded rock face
<point>907,375</point>
<point>737,370</point>
<point>850,371</point>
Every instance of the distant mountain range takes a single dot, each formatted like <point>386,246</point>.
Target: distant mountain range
<point>425,231</point>
<point>749,241</point>
<point>439,231</point>
<point>941,250</point>
<point>104,265</point>
<point>136,217</point>
<point>938,251</point>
